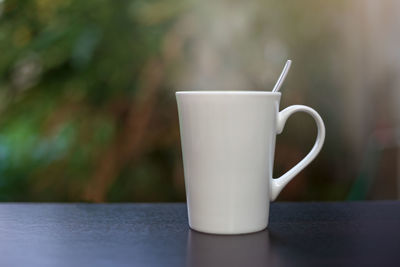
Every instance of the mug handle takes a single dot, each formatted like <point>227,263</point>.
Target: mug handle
<point>276,185</point>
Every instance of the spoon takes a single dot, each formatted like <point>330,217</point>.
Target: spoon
<point>282,77</point>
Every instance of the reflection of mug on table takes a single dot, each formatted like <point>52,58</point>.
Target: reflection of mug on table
<point>228,145</point>
<point>228,250</point>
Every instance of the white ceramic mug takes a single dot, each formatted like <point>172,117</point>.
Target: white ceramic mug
<point>228,145</point>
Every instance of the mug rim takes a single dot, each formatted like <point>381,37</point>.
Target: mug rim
<point>228,92</point>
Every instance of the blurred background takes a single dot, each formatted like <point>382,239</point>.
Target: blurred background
<point>87,105</point>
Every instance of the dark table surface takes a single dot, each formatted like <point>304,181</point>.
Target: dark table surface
<point>299,234</point>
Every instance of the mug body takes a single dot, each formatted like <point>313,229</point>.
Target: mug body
<point>228,145</point>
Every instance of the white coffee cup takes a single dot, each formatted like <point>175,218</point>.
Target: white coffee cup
<point>228,146</point>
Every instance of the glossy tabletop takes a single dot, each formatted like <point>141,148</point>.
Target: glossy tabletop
<point>299,234</point>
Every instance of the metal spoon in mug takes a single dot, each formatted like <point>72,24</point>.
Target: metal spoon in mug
<point>282,77</point>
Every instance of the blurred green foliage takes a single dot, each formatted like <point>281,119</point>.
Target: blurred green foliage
<point>69,73</point>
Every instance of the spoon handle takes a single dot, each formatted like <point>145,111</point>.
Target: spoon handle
<point>282,77</point>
